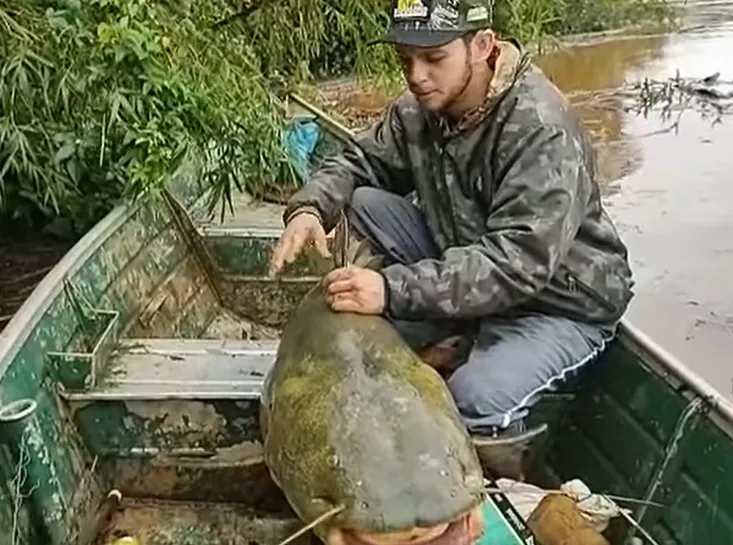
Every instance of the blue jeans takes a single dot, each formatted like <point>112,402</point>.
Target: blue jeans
<point>515,357</point>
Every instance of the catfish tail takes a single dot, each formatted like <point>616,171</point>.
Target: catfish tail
<point>350,250</point>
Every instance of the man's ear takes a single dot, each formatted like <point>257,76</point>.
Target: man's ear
<point>484,42</point>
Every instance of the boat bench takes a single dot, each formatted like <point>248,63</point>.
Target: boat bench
<point>193,369</point>
<point>185,399</point>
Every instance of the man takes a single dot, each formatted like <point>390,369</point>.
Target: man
<point>478,189</point>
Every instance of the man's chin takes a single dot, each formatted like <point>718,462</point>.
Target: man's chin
<point>431,101</point>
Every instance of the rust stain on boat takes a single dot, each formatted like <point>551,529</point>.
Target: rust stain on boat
<point>198,421</point>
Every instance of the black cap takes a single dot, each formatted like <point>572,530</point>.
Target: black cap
<point>434,23</point>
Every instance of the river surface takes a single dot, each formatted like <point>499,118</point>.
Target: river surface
<point>669,191</point>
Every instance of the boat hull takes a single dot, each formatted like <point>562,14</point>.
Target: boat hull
<point>142,354</point>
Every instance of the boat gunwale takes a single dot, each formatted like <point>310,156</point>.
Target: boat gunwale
<point>629,334</point>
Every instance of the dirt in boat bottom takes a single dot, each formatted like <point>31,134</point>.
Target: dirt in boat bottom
<point>154,522</point>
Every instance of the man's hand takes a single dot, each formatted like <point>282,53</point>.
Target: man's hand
<point>301,230</point>
<point>354,289</point>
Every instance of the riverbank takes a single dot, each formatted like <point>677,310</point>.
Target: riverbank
<point>24,262</point>
<point>356,102</point>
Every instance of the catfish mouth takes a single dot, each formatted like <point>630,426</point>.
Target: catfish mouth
<point>463,531</point>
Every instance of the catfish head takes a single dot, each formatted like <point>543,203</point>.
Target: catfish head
<point>395,460</point>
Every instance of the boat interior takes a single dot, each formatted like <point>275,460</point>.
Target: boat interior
<point>136,366</point>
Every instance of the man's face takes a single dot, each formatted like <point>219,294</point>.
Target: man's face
<point>437,76</point>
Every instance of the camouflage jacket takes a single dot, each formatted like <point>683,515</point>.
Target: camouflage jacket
<point>509,195</point>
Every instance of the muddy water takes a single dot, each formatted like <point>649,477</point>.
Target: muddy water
<point>670,191</point>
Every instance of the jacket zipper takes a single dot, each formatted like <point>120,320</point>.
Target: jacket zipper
<point>574,283</point>
<point>442,153</point>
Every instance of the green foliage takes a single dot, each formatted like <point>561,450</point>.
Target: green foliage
<point>579,16</point>
<point>105,99</point>
<point>319,38</point>
<point>108,99</point>
<point>531,21</point>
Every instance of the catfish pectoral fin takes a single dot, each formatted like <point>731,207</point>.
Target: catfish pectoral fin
<point>350,250</point>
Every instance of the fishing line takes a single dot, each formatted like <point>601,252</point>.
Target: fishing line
<point>510,489</point>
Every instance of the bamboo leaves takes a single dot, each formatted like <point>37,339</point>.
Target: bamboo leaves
<point>107,100</point>
<point>104,99</point>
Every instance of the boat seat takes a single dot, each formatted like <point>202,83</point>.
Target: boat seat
<point>191,369</point>
<point>182,399</point>
<point>156,369</point>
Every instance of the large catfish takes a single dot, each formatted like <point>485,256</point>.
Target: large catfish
<point>355,424</point>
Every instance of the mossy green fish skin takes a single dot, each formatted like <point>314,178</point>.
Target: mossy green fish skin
<point>351,416</point>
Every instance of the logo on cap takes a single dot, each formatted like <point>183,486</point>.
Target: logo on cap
<point>408,9</point>
<point>477,14</point>
<point>443,17</point>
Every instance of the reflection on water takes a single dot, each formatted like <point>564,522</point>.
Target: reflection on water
<point>600,65</point>
<point>582,71</point>
<point>669,191</point>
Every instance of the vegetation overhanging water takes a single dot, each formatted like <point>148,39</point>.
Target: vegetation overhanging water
<point>106,99</point>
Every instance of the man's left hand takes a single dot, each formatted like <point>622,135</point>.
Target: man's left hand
<point>354,289</point>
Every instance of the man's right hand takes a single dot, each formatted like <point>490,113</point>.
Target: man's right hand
<point>302,229</point>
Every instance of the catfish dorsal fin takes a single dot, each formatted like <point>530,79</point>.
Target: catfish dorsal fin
<point>351,251</point>
<point>341,241</point>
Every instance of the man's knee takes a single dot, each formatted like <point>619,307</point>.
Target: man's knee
<point>519,360</point>
<point>392,224</point>
<point>483,398</point>
<point>365,200</point>
<point>368,205</point>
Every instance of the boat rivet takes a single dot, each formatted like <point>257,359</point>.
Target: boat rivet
<point>443,473</point>
<point>364,505</point>
<point>453,493</point>
<point>332,460</point>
